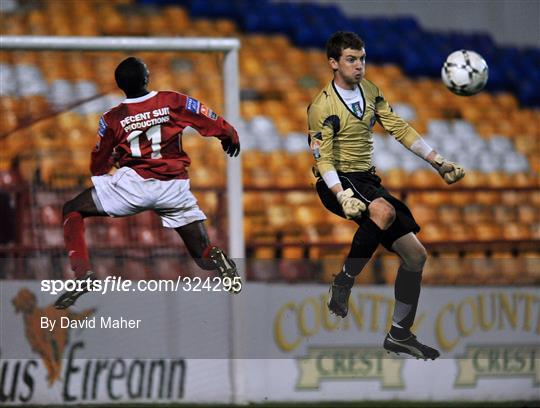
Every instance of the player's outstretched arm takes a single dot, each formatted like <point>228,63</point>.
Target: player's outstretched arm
<point>208,123</point>
<point>408,137</point>
<point>231,145</point>
<point>102,160</point>
<point>449,171</point>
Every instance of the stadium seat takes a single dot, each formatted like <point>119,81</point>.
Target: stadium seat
<point>486,231</point>
<point>516,231</point>
<point>474,213</point>
<point>503,213</point>
<point>395,178</point>
<point>103,265</point>
<point>527,214</point>
<point>480,268</point>
<point>280,90</point>
<point>424,179</point>
<point>51,216</point>
<point>168,266</point>
<point>343,232</point>
<point>117,234</point>
<point>434,232</point>
<point>146,236</point>
<point>38,266</point>
<point>535,231</point>
<point>52,237</point>
<point>451,268</point>
<point>532,267</point>
<point>460,232</point>
<point>513,198</point>
<point>499,179</point>
<point>424,213</point>
<point>133,267</point>
<point>487,198</point>
<point>448,214</point>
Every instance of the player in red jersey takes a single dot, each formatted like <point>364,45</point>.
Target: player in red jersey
<point>142,137</point>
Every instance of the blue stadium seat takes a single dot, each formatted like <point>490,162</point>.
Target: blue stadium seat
<point>388,40</point>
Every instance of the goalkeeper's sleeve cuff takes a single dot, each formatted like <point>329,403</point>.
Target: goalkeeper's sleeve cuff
<point>331,178</point>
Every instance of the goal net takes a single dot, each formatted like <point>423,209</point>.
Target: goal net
<point>54,91</point>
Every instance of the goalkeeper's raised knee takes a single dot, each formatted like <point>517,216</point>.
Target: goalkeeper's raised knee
<point>382,213</point>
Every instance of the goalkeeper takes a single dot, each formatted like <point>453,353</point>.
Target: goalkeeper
<point>341,119</point>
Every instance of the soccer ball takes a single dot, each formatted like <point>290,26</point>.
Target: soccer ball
<point>465,72</point>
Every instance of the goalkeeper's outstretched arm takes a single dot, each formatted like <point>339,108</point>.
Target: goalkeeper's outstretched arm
<point>408,137</point>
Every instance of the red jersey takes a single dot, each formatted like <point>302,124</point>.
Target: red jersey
<point>145,134</point>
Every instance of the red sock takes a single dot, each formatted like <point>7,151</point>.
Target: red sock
<point>76,244</point>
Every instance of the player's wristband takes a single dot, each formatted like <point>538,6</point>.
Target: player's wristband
<point>421,148</point>
<point>331,178</point>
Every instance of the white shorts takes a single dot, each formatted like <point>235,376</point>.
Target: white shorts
<point>127,193</point>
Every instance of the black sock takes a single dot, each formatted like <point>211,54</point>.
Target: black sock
<point>343,279</point>
<point>407,292</point>
<point>365,242</point>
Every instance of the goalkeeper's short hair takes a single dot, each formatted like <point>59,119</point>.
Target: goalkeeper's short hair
<point>340,41</point>
<point>131,75</point>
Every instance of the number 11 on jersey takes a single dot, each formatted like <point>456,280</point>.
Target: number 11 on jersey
<point>153,134</point>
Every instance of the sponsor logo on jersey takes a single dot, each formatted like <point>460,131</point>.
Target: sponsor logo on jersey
<point>357,109</point>
<point>102,127</point>
<point>192,105</point>
<point>209,113</point>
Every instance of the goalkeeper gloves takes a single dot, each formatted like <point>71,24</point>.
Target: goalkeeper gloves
<point>231,145</point>
<point>449,171</point>
<point>352,206</point>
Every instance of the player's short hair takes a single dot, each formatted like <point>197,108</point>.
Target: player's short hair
<point>340,41</point>
<point>131,75</point>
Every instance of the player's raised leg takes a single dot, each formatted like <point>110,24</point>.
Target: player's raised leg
<point>208,256</point>
<point>74,212</point>
<point>365,242</point>
<point>407,291</point>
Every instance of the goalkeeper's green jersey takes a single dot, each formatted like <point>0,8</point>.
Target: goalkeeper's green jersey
<point>343,141</point>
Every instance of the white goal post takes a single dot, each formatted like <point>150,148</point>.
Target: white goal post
<point>231,87</point>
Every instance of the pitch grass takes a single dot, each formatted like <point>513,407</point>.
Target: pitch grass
<point>359,404</point>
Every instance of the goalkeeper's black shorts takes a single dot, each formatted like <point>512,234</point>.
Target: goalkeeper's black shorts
<point>366,186</point>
